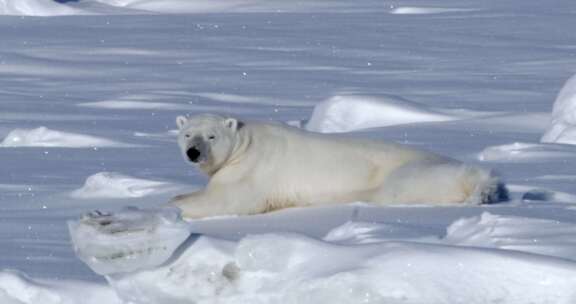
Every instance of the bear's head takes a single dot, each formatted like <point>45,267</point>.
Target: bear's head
<point>207,140</point>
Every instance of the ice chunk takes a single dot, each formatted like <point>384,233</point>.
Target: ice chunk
<point>44,137</point>
<point>117,185</point>
<point>349,113</point>
<point>130,240</point>
<point>562,128</point>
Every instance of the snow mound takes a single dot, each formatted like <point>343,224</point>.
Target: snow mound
<point>525,152</point>
<point>349,113</point>
<point>562,128</point>
<point>412,10</point>
<point>117,185</point>
<point>44,137</point>
<point>52,8</point>
<point>35,8</point>
<point>111,243</point>
<point>540,236</point>
<point>17,288</point>
<point>294,268</point>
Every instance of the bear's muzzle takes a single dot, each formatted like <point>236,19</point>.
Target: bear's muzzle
<point>193,154</point>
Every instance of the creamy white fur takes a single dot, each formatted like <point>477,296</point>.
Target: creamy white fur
<point>258,167</point>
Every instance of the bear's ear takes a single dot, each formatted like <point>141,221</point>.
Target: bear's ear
<point>181,121</point>
<point>232,124</point>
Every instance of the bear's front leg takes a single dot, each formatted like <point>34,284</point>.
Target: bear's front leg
<point>198,205</point>
<point>211,202</point>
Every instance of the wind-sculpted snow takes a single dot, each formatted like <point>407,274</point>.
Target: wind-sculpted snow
<point>44,137</point>
<point>117,185</point>
<point>562,128</point>
<point>349,113</point>
<point>84,7</point>
<point>294,268</point>
<point>526,152</point>
<point>35,8</point>
<point>539,236</point>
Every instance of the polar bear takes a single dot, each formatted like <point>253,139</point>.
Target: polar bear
<point>256,167</point>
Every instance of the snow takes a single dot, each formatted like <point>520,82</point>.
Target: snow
<point>562,128</point>
<point>35,8</point>
<point>414,10</point>
<point>294,268</point>
<point>539,236</point>
<point>349,113</point>
<point>473,80</point>
<point>117,185</point>
<point>18,288</point>
<point>44,137</point>
<point>525,152</point>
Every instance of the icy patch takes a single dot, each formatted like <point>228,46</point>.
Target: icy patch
<point>525,152</point>
<point>44,137</point>
<point>540,236</point>
<point>562,128</point>
<point>35,8</point>
<point>412,10</point>
<point>349,113</point>
<point>129,240</point>
<point>117,185</point>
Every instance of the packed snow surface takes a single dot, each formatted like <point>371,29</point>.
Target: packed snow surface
<point>484,82</point>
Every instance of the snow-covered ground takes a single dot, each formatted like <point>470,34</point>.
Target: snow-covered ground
<point>89,95</point>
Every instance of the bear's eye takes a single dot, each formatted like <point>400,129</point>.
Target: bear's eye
<point>211,137</point>
<point>187,135</point>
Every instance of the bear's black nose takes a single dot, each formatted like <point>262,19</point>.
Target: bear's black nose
<point>193,154</point>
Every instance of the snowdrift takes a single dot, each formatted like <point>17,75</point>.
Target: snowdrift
<point>353,263</point>
<point>44,137</point>
<point>117,185</point>
<point>35,8</point>
<point>349,113</point>
<point>525,152</point>
<point>52,8</point>
<point>562,129</point>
